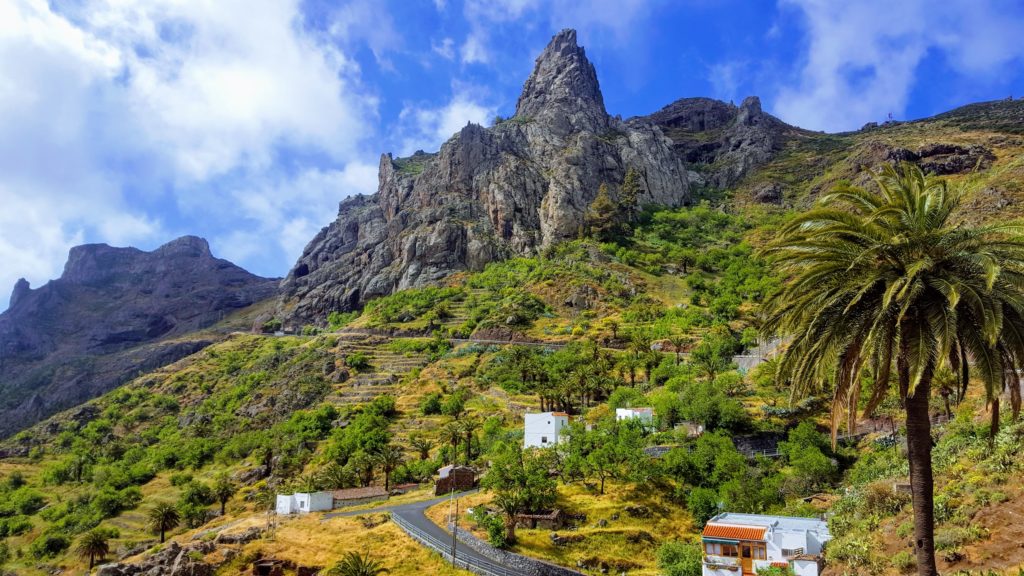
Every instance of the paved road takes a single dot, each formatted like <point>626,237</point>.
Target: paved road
<point>415,513</point>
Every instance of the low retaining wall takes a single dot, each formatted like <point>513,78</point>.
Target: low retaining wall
<point>522,564</point>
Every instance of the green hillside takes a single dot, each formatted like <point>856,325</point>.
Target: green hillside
<point>648,312</point>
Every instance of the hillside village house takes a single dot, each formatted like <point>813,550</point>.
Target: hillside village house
<point>544,429</point>
<point>304,502</point>
<point>644,415</point>
<point>454,478</point>
<point>741,544</point>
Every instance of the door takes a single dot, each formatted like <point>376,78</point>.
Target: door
<point>747,557</point>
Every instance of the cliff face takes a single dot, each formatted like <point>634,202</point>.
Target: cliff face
<point>724,142</point>
<point>112,313</point>
<point>488,194</point>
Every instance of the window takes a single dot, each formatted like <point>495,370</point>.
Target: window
<point>543,439</point>
<point>760,552</point>
<point>792,551</point>
<point>718,549</point>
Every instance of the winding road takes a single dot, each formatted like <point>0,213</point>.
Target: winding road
<point>414,513</point>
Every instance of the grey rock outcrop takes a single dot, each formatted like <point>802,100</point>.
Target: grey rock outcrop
<point>113,313</point>
<point>488,194</point>
<point>725,142</point>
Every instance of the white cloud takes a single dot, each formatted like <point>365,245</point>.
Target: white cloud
<point>427,128</point>
<point>112,108</point>
<point>444,49</point>
<point>616,17</point>
<point>366,21</point>
<point>290,210</point>
<point>862,57</point>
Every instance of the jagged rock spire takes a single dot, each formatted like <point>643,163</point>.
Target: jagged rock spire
<point>563,84</point>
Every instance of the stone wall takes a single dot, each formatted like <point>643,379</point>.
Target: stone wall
<point>523,564</point>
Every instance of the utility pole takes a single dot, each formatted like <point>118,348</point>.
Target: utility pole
<point>455,527</point>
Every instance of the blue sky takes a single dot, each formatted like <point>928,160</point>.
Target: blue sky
<point>247,121</point>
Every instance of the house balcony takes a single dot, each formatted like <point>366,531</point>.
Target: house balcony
<point>726,563</point>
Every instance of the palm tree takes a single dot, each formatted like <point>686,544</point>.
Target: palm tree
<point>451,433</point>
<point>93,545</point>
<point>469,426</point>
<point>895,279</point>
<point>335,476</point>
<point>163,517</point>
<point>678,341</point>
<point>223,490</point>
<point>357,565</point>
<point>421,445</point>
<point>389,457</point>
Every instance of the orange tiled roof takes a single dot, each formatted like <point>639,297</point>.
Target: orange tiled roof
<point>559,414</point>
<point>734,532</point>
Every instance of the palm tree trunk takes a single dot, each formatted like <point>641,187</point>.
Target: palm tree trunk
<point>919,448</point>
<point>222,504</point>
<point>162,535</point>
<point>994,427</point>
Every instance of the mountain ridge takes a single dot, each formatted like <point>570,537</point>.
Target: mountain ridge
<point>73,337</point>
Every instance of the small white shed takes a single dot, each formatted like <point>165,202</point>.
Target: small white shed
<point>304,502</point>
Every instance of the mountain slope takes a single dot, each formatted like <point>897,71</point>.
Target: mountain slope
<point>113,313</point>
<point>488,194</point>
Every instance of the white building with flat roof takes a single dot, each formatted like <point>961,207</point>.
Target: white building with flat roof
<point>543,430</point>
<point>644,415</point>
<point>304,502</point>
<point>741,544</point>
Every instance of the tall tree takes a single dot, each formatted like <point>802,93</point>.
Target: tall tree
<point>469,426</point>
<point>451,433</point>
<point>93,545</point>
<point>163,517</point>
<point>389,457</point>
<point>629,195</point>
<point>223,490</point>
<point>602,215</point>
<point>421,445</point>
<point>895,278</point>
<point>520,482</point>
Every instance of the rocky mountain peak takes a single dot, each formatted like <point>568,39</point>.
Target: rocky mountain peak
<point>21,287</point>
<point>487,194</point>
<point>190,246</point>
<point>563,82</point>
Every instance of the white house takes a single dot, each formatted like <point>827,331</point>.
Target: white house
<point>544,429</point>
<point>740,544</point>
<point>644,415</point>
<point>304,502</point>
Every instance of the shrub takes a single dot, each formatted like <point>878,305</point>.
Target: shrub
<point>491,523</point>
<point>431,404</point>
<point>48,546</point>
<point>180,478</point>
<point>881,498</point>
<point>358,361</point>
<point>904,530</point>
<point>676,558</point>
<point>904,561</point>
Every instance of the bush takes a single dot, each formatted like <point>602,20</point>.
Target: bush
<point>881,498</point>
<point>703,505</point>
<point>431,404</point>
<point>357,361</point>
<point>180,478</point>
<point>676,558</point>
<point>48,546</point>
<point>904,561</point>
<point>26,501</point>
<point>493,524</point>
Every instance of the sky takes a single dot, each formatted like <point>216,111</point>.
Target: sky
<point>247,121</point>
